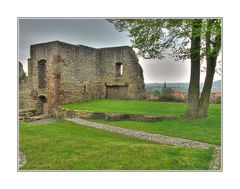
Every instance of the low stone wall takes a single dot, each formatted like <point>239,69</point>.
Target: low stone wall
<point>67,113</point>
<point>26,113</point>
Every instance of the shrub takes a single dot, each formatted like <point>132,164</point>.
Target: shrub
<point>218,100</point>
<point>170,98</point>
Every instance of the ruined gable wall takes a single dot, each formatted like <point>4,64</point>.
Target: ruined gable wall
<point>132,71</point>
<point>47,52</point>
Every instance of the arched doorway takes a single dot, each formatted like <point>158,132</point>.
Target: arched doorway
<point>42,106</point>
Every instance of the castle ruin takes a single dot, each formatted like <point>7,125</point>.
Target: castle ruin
<point>60,73</point>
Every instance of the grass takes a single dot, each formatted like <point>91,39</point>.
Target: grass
<point>130,106</point>
<point>206,129</point>
<point>63,145</point>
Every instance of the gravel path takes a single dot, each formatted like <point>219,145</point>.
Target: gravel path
<point>145,135</point>
<point>216,161</point>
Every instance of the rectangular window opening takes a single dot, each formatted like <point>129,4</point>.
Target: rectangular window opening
<point>119,69</point>
<point>42,74</point>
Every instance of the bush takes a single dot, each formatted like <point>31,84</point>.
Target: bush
<point>218,100</point>
<point>170,98</point>
<point>156,93</point>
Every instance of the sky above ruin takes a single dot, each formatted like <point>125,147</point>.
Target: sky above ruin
<point>96,33</point>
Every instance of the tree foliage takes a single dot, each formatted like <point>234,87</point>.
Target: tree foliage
<point>194,39</point>
<point>151,37</point>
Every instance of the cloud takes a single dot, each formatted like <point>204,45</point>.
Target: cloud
<point>96,33</point>
<point>166,69</point>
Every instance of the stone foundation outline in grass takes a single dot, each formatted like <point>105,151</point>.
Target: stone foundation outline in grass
<point>69,113</point>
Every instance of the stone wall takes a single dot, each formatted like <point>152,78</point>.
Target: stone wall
<point>80,79</point>
<point>26,101</point>
<point>47,52</point>
<point>76,72</point>
<point>132,74</point>
<point>26,97</point>
<point>22,74</point>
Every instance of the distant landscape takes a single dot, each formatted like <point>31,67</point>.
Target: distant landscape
<point>183,87</point>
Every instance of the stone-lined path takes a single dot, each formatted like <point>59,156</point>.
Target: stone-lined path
<point>144,135</point>
<point>21,159</point>
<point>215,164</point>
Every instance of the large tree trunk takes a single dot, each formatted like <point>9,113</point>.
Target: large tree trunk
<point>211,57</point>
<point>205,96</point>
<point>193,90</point>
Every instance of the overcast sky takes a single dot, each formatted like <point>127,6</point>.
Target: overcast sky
<point>96,33</point>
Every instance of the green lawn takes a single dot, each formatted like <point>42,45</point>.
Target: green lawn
<point>206,129</point>
<point>64,145</point>
<point>130,106</point>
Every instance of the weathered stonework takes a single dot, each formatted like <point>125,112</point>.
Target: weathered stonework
<point>61,73</point>
<point>84,114</point>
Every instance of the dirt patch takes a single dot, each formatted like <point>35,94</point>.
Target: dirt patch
<point>44,121</point>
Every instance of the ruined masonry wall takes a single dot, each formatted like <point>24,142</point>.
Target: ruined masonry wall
<point>76,73</point>
<point>25,99</point>
<point>80,79</point>
<point>48,52</point>
<point>132,72</point>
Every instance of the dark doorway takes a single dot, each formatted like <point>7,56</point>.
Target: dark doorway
<point>117,92</point>
<point>42,106</point>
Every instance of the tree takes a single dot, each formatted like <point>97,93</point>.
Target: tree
<point>212,50</point>
<point>151,38</point>
<point>156,93</point>
<point>193,90</point>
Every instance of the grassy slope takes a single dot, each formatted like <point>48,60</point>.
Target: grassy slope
<point>206,129</point>
<point>67,146</point>
<point>130,106</point>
